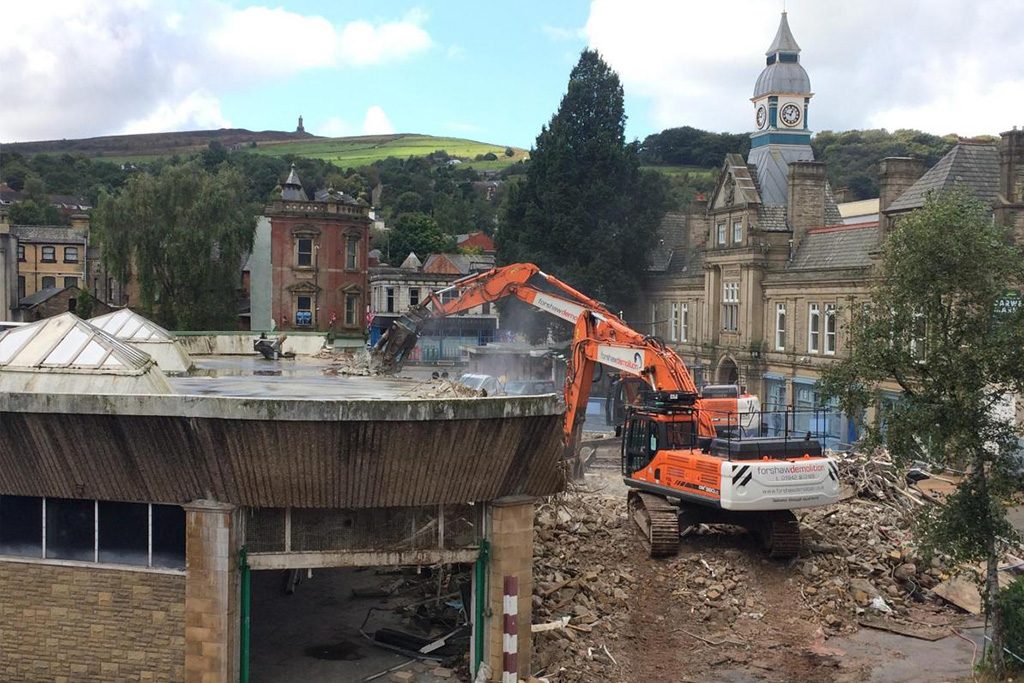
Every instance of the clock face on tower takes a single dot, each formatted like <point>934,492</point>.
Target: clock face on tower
<point>790,114</point>
<point>761,117</point>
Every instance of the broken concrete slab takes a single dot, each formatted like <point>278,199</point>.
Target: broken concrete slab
<point>961,592</point>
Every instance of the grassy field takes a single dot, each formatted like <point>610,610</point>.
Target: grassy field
<point>694,172</point>
<point>364,150</point>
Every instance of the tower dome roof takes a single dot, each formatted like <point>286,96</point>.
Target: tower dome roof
<point>783,73</point>
<point>782,77</point>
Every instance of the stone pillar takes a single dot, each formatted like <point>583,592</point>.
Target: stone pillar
<point>895,175</point>
<point>211,592</point>
<point>510,531</point>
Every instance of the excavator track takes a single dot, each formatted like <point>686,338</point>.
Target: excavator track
<point>780,534</point>
<point>658,521</point>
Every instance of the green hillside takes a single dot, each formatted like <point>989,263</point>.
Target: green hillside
<point>345,151</point>
<point>364,150</point>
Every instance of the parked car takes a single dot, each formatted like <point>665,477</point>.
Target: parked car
<point>530,387</point>
<point>485,383</point>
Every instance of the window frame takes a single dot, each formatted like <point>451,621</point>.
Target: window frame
<point>43,251</point>
<point>66,250</point>
<point>684,321</point>
<point>352,243</point>
<point>21,253</point>
<point>22,284</point>
<point>389,299</point>
<point>43,280</point>
<point>299,308</point>
<point>73,279</point>
<point>721,234</point>
<point>813,328</point>
<point>414,300</point>
<point>737,232</point>
<point>46,545</point>
<point>299,253</point>
<point>351,316</point>
<point>831,336</point>
<point>731,306</point>
<point>780,326</point>
<point>674,322</point>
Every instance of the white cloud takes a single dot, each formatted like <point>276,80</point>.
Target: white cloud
<point>333,127</point>
<point>199,110</point>
<point>891,63</point>
<point>76,68</point>
<point>377,122</point>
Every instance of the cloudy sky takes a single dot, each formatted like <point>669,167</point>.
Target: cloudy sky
<point>495,71</point>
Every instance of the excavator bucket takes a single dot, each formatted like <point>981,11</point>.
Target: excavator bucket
<point>388,354</point>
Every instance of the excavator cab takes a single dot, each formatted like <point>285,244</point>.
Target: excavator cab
<point>644,433</point>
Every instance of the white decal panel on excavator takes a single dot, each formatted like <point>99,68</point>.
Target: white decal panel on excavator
<point>779,484</point>
<point>563,309</point>
<point>626,359</point>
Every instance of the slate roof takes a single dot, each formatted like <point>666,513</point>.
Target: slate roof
<point>673,255</point>
<point>47,233</point>
<point>332,195</point>
<point>772,164</point>
<point>39,296</point>
<point>671,244</point>
<point>772,217</point>
<point>292,189</point>
<point>974,165</point>
<point>832,214</point>
<point>837,246</point>
<point>784,40</point>
<point>463,263</point>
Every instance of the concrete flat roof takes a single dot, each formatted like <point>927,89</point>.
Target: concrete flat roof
<point>280,452</point>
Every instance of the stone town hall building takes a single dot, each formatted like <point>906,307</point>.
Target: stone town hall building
<point>755,286</point>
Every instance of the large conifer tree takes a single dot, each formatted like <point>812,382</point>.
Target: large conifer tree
<point>586,212</point>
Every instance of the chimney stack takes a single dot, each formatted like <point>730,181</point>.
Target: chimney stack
<point>80,221</point>
<point>697,223</point>
<point>1010,211</point>
<point>5,221</point>
<point>806,208</point>
<point>895,175</point>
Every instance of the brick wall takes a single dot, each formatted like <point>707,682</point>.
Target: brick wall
<point>511,536</point>
<point>60,623</point>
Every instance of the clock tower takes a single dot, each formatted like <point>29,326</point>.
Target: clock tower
<point>781,99</point>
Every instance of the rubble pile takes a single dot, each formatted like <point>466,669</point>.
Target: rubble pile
<point>860,558</point>
<point>346,363</point>
<point>441,388</point>
<point>582,591</point>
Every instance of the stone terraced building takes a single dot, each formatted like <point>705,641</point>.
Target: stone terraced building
<point>756,285</point>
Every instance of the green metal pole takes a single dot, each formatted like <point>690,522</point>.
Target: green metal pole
<point>243,664</point>
<point>481,603</point>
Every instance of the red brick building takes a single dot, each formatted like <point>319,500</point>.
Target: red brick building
<point>318,256</point>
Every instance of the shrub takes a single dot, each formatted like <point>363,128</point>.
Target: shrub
<point>1012,599</point>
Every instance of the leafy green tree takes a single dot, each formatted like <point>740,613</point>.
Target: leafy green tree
<point>419,233</point>
<point>182,234</point>
<point>941,326</point>
<point>853,156</point>
<point>689,146</point>
<point>509,152</point>
<point>586,212</point>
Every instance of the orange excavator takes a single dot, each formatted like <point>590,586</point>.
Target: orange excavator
<point>679,471</point>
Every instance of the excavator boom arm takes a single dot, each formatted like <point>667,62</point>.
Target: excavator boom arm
<point>599,335</point>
